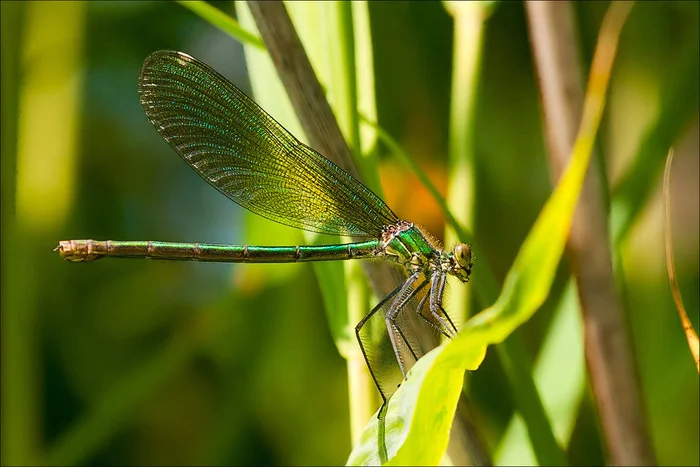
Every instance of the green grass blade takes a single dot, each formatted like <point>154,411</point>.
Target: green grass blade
<point>356,42</point>
<point>469,31</point>
<point>224,22</point>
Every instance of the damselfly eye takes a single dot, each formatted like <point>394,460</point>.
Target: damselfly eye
<point>463,255</point>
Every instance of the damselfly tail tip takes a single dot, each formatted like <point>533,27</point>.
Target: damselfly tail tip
<point>65,249</point>
<point>76,251</point>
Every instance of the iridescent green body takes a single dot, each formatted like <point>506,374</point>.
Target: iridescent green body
<point>90,250</point>
<point>240,150</point>
<point>404,244</point>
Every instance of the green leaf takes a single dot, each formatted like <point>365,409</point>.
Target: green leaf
<point>415,429</point>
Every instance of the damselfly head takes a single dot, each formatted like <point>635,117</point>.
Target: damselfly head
<point>461,261</point>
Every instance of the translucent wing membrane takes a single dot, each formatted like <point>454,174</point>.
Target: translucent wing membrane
<point>245,154</point>
<point>414,332</point>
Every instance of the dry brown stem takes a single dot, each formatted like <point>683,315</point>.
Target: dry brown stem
<point>609,356</point>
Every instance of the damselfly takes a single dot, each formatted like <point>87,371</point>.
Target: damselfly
<point>244,153</point>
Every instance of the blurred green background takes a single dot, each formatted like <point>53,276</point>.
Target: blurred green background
<point>146,362</point>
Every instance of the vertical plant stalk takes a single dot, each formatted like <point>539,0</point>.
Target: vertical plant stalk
<point>319,124</point>
<point>48,96</point>
<point>465,446</point>
<point>366,104</point>
<point>345,71</point>
<point>608,348</point>
<point>363,399</point>
<point>17,330</point>
<point>345,99</point>
<point>468,38</point>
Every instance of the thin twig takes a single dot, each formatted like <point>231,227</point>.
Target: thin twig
<point>690,333</point>
<point>608,348</point>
